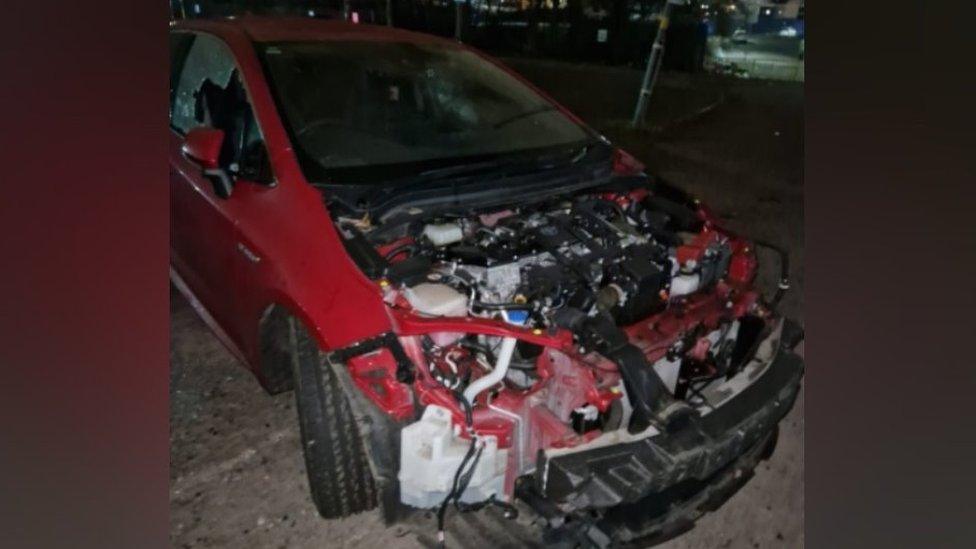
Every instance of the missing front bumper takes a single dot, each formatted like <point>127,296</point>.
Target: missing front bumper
<point>626,473</point>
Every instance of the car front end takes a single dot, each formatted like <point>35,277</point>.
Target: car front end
<point>565,330</point>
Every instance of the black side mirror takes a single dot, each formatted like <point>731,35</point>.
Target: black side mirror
<point>222,183</point>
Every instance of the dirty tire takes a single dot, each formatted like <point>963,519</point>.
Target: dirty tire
<point>339,476</point>
<point>275,374</point>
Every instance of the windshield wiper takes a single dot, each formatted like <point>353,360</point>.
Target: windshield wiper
<point>460,169</point>
<point>526,114</point>
<point>543,161</point>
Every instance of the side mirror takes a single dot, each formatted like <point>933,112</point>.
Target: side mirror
<point>202,145</point>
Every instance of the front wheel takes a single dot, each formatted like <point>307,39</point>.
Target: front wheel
<point>339,475</point>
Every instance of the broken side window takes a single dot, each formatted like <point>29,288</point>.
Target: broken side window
<point>209,60</point>
<point>210,93</point>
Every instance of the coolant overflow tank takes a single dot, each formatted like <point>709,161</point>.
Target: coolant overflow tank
<point>437,300</point>
<point>430,454</point>
<point>443,234</point>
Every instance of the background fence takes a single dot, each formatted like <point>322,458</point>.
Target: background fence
<point>603,31</point>
<point>615,32</point>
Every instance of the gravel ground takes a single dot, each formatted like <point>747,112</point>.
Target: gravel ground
<point>236,472</point>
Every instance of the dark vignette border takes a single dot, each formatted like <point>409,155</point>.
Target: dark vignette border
<point>890,269</point>
<point>84,313</point>
<point>84,321</point>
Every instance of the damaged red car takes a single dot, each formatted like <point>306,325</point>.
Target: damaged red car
<point>476,298</point>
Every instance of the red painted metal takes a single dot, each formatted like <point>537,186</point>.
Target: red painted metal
<point>743,265</point>
<point>203,146</point>
<point>625,164</point>
<point>375,375</point>
<point>411,324</point>
<point>656,334</point>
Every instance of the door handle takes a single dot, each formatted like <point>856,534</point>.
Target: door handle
<point>251,256</point>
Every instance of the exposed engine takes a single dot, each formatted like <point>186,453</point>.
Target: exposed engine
<point>557,262</point>
<point>548,326</point>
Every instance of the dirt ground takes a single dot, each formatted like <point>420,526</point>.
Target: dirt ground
<point>236,472</point>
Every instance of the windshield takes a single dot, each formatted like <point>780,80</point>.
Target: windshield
<point>367,111</point>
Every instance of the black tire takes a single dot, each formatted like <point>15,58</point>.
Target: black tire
<point>275,374</point>
<point>339,474</point>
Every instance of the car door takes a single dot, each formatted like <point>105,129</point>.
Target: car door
<point>214,239</point>
<point>205,250</point>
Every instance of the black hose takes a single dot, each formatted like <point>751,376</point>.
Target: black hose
<point>453,494</point>
<point>501,306</point>
<point>462,478</point>
<point>588,205</point>
<point>490,356</point>
<point>406,247</point>
<point>523,366</point>
<point>478,348</point>
<point>456,487</point>
<point>468,412</point>
<point>462,482</point>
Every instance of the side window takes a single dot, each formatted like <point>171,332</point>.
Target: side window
<point>179,46</point>
<point>209,92</point>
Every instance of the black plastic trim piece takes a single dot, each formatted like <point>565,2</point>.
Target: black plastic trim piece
<point>625,473</point>
<point>404,372</point>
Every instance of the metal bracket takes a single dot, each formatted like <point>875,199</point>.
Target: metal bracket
<point>404,371</point>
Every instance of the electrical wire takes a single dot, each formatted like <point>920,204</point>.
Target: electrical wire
<point>463,476</point>
<point>454,493</point>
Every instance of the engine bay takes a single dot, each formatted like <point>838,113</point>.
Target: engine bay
<point>583,319</point>
<point>585,256</point>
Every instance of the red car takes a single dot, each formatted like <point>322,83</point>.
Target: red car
<point>476,298</point>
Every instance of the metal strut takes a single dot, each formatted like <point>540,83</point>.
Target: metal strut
<point>653,64</point>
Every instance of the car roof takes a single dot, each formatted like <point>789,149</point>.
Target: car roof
<point>307,29</point>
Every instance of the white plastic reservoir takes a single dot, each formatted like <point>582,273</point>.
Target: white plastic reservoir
<point>430,454</point>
